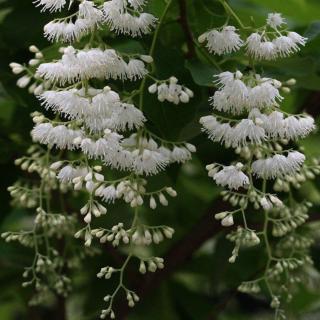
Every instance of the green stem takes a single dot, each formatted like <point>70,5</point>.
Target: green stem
<point>151,51</point>
<point>232,13</point>
<point>156,33</point>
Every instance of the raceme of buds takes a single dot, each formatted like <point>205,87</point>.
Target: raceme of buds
<point>96,132</point>
<point>247,116</point>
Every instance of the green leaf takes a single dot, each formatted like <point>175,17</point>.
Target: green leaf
<point>313,31</point>
<point>202,73</point>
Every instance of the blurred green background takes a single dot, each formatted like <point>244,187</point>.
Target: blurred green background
<point>199,283</point>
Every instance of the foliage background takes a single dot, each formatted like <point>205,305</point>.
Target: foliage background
<point>198,283</point>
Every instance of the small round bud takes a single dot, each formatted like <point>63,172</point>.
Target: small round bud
<point>147,59</point>
<point>227,221</point>
<point>291,82</point>
<point>33,49</point>
<point>202,38</point>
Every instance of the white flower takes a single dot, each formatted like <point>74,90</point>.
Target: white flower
<point>278,165</point>
<point>106,147</point>
<point>68,31</point>
<point>60,136</point>
<point>68,103</point>
<point>148,162</point>
<point>180,154</point>
<point>232,177</point>
<point>243,133</point>
<point>272,123</point>
<point>275,20</point>
<point>137,4</point>
<point>290,128</point>
<point>259,48</point>
<point>135,69</point>
<point>88,11</point>
<point>221,42</point>
<point>225,77</point>
<point>109,194</point>
<point>126,116</point>
<point>285,46</point>
<point>121,159</point>
<point>92,63</point>
<point>235,96</point>
<point>246,131</point>
<point>264,95</point>
<point>218,132</point>
<point>89,148</point>
<point>297,38</point>
<point>232,97</point>
<point>102,110</point>
<point>68,173</point>
<point>51,5</point>
<point>294,128</point>
<point>125,23</point>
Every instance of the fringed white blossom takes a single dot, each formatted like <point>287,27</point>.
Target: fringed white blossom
<point>123,22</point>
<point>290,128</point>
<point>105,147</point>
<point>275,20</point>
<point>108,194</point>
<point>68,173</point>
<point>243,133</point>
<point>100,111</point>
<point>285,46</point>
<point>146,155</point>
<point>182,154</point>
<point>88,11</point>
<point>262,48</point>
<point>69,103</point>
<point>66,30</point>
<point>149,162</point>
<point>137,4</point>
<point>235,96</point>
<point>265,94</point>
<point>59,136</point>
<point>278,166</point>
<point>93,63</point>
<point>232,97</point>
<point>218,132</point>
<point>50,5</point>
<point>220,42</point>
<point>231,177</point>
<point>125,116</point>
<point>297,127</point>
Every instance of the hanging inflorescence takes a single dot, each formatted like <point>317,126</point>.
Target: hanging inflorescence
<point>96,143</point>
<point>247,117</point>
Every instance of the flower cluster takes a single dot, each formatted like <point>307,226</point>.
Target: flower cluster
<point>100,132</point>
<point>265,139</point>
<point>171,91</point>
<point>269,42</point>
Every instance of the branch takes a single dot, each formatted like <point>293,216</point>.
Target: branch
<point>312,104</point>
<point>183,20</point>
